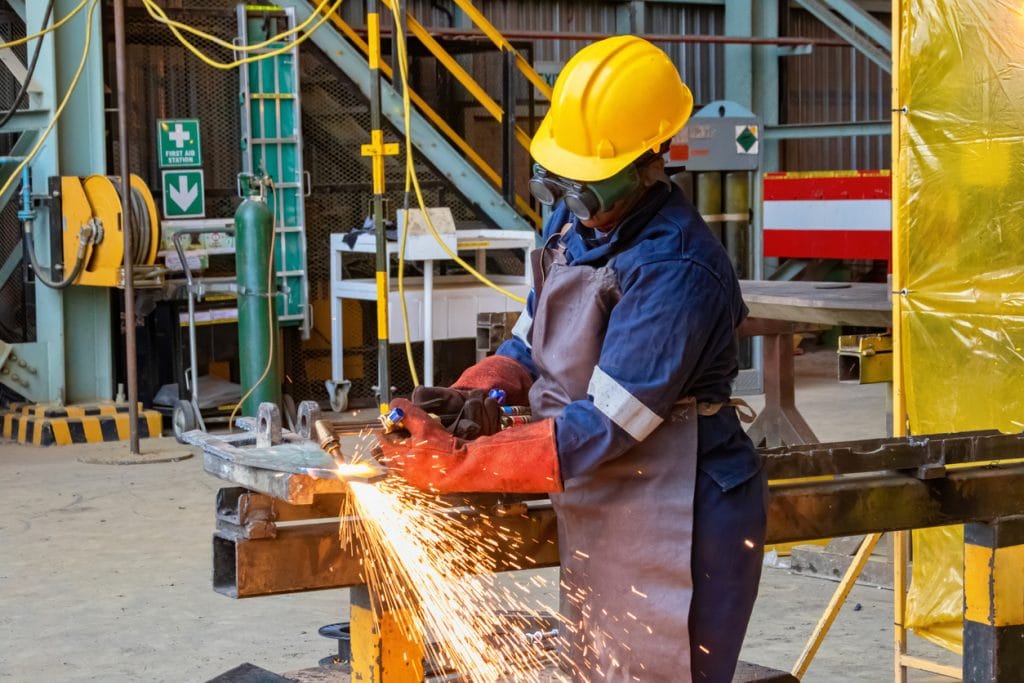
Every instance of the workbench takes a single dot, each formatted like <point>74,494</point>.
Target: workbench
<point>277,524</point>
<point>780,310</point>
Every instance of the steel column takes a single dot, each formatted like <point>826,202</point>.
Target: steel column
<point>131,349</point>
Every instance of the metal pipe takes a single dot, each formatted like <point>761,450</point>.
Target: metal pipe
<point>508,125</point>
<point>475,35</point>
<point>131,359</point>
<point>377,143</point>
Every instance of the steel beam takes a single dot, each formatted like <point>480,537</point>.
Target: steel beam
<point>808,131</point>
<point>302,557</point>
<point>863,22</point>
<point>849,32</point>
<point>11,264</point>
<point>305,557</point>
<point>19,7</point>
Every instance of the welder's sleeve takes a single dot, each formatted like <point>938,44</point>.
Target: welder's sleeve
<point>656,344</point>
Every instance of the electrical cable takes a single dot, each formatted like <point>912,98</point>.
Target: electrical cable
<point>410,169</point>
<point>411,178</point>
<point>29,245</point>
<point>158,14</point>
<point>401,285</point>
<point>20,97</point>
<point>40,34</point>
<point>270,306</point>
<point>244,60</point>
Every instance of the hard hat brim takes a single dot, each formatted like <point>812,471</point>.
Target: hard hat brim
<point>545,151</point>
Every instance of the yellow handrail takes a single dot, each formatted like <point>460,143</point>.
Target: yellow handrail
<point>440,123</point>
<point>501,42</point>
<point>463,77</point>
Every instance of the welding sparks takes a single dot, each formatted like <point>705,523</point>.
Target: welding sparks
<point>436,573</point>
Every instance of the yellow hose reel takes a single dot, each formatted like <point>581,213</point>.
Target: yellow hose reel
<point>94,204</point>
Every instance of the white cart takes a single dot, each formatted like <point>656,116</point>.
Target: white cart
<point>440,307</point>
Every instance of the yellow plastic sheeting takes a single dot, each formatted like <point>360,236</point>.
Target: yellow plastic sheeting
<point>936,613</point>
<point>959,248</point>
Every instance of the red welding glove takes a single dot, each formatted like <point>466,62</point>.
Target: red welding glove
<point>498,372</point>
<point>467,398</point>
<point>523,459</point>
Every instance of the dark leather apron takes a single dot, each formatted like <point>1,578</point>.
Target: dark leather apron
<point>625,529</point>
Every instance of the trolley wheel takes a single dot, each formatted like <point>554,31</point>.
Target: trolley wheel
<point>337,392</point>
<point>183,419</point>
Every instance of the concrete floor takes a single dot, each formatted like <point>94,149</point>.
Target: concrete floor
<point>105,572</point>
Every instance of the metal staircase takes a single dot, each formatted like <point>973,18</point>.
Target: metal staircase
<point>434,139</point>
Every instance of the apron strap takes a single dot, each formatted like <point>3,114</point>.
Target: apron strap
<point>744,412</point>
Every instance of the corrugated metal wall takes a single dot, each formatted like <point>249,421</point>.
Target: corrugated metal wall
<point>832,84</point>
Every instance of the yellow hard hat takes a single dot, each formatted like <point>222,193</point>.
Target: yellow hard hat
<point>615,99</point>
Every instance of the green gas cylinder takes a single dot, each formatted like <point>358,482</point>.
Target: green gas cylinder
<point>258,334</point>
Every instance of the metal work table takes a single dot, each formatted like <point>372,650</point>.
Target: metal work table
<point>277,526</point>
<point>778,311</point>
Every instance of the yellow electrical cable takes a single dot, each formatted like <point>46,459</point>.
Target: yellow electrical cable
<point>411,178</point>
<point>255,58</point>
<point>401,291</point>
<point>411,170</point>
<point>56,25</point>
<point>270,308</point>
<point>63,103</point>
<point>159,15</point>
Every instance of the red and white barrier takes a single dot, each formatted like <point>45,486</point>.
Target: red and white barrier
<point>835,215</point>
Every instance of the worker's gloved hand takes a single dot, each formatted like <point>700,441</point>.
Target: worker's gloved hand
<point>477,415</point>
<point>522,459</point>
<point>470,412</point>
<point>498,372</point>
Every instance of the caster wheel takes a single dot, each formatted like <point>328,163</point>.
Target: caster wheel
<point>184,420</point>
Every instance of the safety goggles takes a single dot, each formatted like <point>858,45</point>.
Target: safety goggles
<point>585,200</point>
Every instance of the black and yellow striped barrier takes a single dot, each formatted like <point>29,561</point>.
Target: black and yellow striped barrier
<point>47,425</point>
<point>994,601</point>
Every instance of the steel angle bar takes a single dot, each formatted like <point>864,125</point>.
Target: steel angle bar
<point>309,557</point>
<point>863,22</point>
<point>927,455</point>
<point>868,504</point>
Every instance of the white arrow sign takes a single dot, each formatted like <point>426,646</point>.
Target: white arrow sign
<point>183,195</point>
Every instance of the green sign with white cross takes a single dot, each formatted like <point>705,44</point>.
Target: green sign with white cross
<point>183,193</point>
<point>178,142</point>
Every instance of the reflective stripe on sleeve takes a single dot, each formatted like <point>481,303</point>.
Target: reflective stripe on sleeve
<point>521,330</point>
<point>622,407</point>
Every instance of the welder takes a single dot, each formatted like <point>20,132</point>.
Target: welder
<point>626,352</point>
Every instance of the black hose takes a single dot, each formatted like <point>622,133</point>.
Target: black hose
<point>31,68</point>
<point>30,247</point>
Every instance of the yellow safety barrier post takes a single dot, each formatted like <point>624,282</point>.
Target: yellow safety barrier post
<point>377,150</point>
<point>383,649</point>
<point>994,601</point>
<point>384,644</point>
